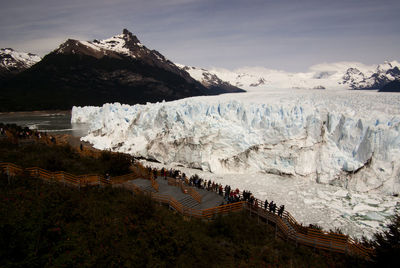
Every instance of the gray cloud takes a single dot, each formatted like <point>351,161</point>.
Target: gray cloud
<point>290,35</point>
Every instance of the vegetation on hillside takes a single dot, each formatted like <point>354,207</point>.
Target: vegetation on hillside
<point>49,225</point>
<point>63,158</point>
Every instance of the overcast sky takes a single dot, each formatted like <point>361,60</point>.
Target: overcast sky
<point>278,34</point>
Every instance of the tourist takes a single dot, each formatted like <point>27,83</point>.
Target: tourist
<point>271,206</point>
<point>280,211</point>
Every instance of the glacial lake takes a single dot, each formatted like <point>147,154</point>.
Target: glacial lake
<point>57,122</point>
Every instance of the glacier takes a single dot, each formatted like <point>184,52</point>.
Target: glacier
<point>331,157</point>
<point>306,138</point>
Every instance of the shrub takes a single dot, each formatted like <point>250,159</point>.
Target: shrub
<point>387,245</point>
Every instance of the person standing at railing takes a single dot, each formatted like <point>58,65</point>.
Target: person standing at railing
<point>255,203</point>
<point>220,190</point>
<point>271,206</point>
<point>266,204</point>
<point>251,200</point>
<point>280,211</point>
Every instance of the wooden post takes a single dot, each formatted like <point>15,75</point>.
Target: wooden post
<point>8,174</point>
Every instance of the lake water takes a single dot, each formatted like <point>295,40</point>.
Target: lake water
<point>51,122</point>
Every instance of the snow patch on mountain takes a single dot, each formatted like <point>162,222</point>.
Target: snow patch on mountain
<point>209,79</point>
<point>11,59</point>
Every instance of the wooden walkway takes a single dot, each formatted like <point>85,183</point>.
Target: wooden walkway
<point>202,204</point>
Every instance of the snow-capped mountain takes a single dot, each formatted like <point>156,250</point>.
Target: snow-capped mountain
<point>13,62</point>
<point>340,75</point>
<point>209,80</point>
<point>372,79</point>
<point>258,78</point>
<point>120,46</point>
<point>119,68</point>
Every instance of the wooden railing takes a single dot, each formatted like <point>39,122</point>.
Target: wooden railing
<point>185,189</point>
<point>287,226</point>
<point>10,169</point>
<point>154,184</point>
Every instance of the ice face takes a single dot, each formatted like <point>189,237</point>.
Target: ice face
<point>347,139</point>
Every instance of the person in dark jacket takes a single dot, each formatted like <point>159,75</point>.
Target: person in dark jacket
<point>280,211</point>
<point>271,206</point>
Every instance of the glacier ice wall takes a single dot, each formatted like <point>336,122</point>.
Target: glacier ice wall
<point>300,140</point>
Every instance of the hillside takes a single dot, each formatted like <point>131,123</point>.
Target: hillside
<point>92,73</point>
<point>393,86</point>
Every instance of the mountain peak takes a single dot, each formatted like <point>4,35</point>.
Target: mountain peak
<point>13,62</point>
<point>129,35</point>
<point>126,32</point>
<point>130,39</point>
<point>9,58</point>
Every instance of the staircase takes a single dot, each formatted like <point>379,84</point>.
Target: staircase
<point>292,231</point>
<point>147,189</point>
<point>189,202</point>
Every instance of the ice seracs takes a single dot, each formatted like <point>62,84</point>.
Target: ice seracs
<point>330,139</point>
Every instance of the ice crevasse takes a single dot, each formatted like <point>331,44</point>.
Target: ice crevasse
<point>299,140</point>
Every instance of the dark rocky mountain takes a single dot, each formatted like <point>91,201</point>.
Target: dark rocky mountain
<point>13,62</point>
<point>118,69</point>
<point>393,86</point>
<point>210,80</point>
<point>260,82</point>
<point>377,79</point>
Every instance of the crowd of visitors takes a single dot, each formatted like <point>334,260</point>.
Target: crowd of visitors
<point>23,133</point>
<point>230,195</point>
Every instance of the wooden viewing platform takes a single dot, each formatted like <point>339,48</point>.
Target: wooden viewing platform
<point>202,204</point>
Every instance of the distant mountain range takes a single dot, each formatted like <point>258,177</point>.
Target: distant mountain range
<point>122,69</point>
<point>345,75</point>
<point>118,69</point>
<point>374,79</point>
